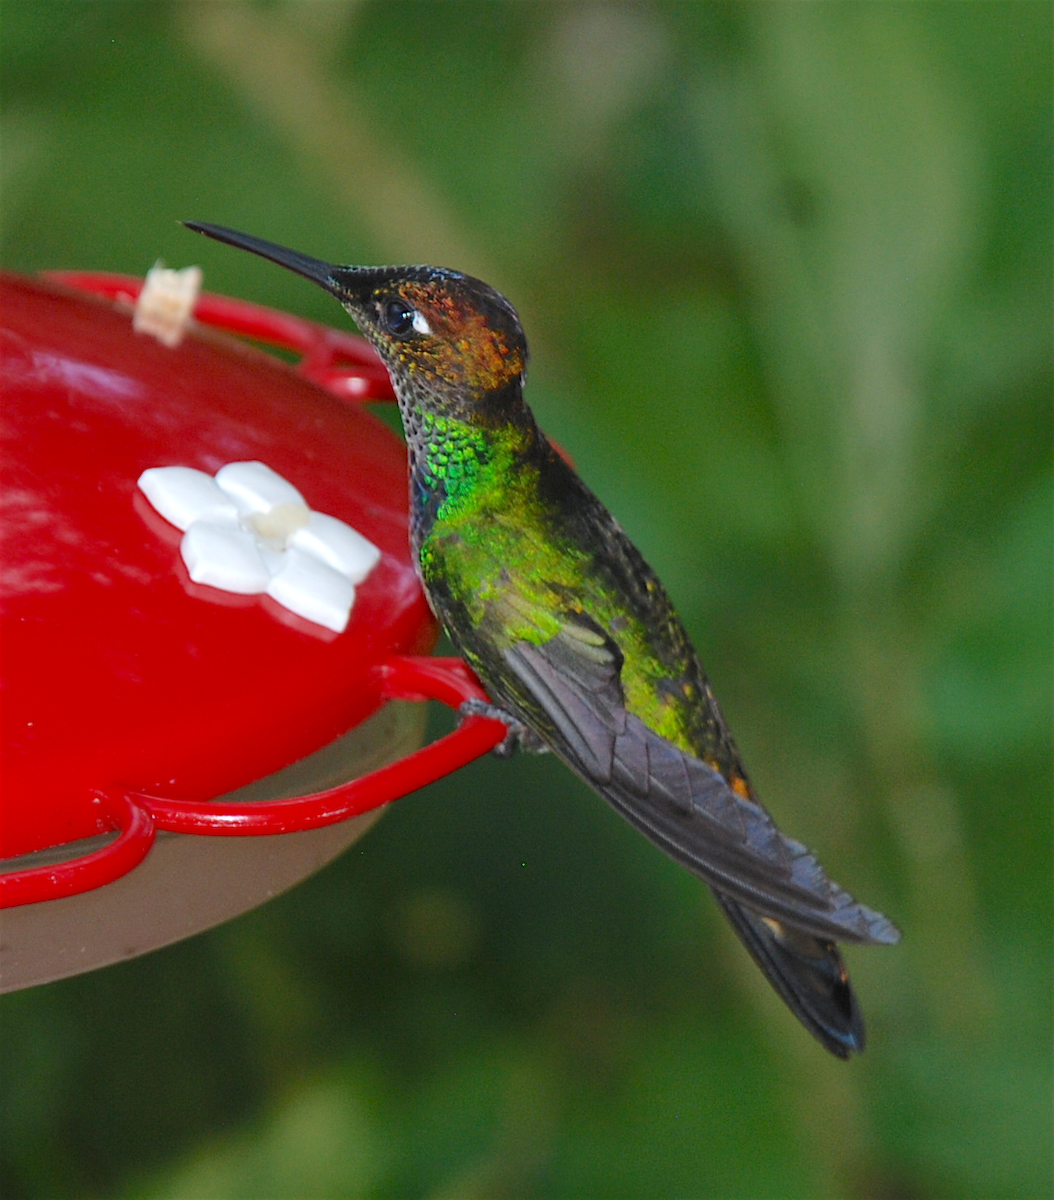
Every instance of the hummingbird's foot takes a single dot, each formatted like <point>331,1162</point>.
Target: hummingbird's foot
<point>518,735</point>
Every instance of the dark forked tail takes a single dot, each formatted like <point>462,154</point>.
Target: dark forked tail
<point>807,973</point>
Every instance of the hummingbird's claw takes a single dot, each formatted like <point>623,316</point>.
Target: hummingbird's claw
<point>518,734</point>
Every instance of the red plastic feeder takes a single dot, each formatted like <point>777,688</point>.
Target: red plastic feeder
<point>173,753</point>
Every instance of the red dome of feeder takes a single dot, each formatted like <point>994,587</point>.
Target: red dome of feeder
<point>135,699</point>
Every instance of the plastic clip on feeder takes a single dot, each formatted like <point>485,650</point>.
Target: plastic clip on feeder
<point>188,522</point>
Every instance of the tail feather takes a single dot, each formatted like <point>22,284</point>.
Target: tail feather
<point>807,973</point>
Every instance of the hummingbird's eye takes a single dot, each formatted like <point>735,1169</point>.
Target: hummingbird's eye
<point>398,317</point>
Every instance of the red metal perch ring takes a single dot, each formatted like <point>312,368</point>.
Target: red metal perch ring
<point>403,678</point>
<point>138,816</point>
<point>125,852</point>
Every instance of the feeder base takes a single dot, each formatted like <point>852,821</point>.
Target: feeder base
<point>189,883</point>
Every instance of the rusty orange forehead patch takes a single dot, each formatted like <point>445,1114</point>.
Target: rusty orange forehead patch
<point>467,345</point>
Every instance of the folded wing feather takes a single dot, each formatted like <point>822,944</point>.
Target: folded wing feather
<point>678,801</point>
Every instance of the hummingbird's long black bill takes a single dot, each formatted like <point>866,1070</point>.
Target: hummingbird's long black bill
<point>315,269</point>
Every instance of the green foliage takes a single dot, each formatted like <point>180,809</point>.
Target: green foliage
<point>786,272</point>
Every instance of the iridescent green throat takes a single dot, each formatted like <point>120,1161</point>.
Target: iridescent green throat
<point>454,461</point>
<point>451,459</point>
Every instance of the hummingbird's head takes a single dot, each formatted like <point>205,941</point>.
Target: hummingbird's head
<point>451,343</point>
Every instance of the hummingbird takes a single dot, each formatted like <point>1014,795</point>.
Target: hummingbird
<point>575,640</point>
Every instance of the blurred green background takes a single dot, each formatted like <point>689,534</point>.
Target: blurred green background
<point>786,271</point>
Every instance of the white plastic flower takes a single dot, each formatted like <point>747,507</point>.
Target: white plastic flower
<point>248,530</point>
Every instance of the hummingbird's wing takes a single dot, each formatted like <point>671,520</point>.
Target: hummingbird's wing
<point>570,689</point>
